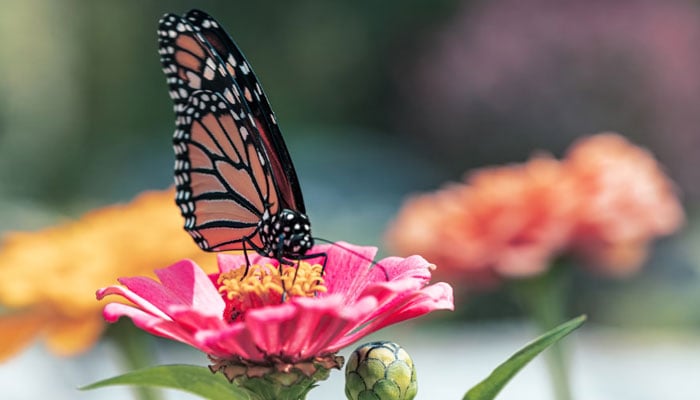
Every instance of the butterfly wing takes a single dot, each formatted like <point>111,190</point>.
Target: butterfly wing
<point>224,182</point>
<point>222,191</point>
<point>254,96</point>
<point>189,63</point>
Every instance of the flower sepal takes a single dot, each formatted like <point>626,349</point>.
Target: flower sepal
<point>279,380</point>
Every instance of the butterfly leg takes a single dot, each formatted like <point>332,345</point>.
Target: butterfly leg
<point>312,256</point>
<point>316,255</point>
<point>282,261</point>
<point>247,260</point>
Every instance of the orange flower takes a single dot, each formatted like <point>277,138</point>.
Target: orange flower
<point>626,201</point>
<point>505,221</point>
<point>48,278</point>
<point>606,201</point>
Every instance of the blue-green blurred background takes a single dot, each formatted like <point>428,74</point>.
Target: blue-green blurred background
<point>376,100</point>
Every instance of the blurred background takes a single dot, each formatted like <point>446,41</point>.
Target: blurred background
<point>378,100</point>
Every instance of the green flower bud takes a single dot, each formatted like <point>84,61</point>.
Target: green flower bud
<point>380,371</point>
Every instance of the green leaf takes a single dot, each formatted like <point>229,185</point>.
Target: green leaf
<point>188,378</point>
<point>492,385</point>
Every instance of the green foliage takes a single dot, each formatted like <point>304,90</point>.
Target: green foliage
<point>490,387</point>
<point>189,378</point>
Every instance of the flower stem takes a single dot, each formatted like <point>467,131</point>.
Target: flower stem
<point>136,349</point>
<point>544,299</point>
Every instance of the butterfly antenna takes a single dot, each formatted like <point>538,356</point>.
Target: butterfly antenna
<point>372,262</point>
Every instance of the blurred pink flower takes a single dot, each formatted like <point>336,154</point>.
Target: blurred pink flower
<point>625,202</point>
<point>502,222</point>
<point>356,299</point>
<point>605,201</point>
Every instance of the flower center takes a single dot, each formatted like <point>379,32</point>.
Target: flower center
<point>264,285</point>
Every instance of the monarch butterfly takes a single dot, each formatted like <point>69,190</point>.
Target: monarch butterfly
<point>236,185</point>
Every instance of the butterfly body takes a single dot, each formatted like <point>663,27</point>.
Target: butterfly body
<point>236,185</point>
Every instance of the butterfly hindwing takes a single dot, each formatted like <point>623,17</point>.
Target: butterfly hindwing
<point>223,181</point>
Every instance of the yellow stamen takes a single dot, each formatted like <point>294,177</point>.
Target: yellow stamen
<point>264,285</point>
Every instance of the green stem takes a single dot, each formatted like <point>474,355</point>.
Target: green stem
<point>136,349</point>
<point>544,298</point>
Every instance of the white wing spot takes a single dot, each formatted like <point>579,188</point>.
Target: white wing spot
<point>194,79</point>
<point>229,96</point>
<point>208,73</point>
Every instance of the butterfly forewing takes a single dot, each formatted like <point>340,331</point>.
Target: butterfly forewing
<point>253,94</point>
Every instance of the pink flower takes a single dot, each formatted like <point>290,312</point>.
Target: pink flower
<point>355,298</point>
<point>501,222</point>
<point>605,202</point>
<point>626,202</point>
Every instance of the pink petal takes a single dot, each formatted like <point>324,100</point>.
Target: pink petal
<point>305,326</point>
<point>142,303</point>
<point>435,297</point>
<point>192,287</point>
<point>147,322</point>
<point>193,320</point>
<point>347,268</point>
<point>413,267</point>
<point>234,340</point>
<point>400,308</point>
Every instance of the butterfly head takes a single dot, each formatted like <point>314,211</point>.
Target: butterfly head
<point>286,234</point>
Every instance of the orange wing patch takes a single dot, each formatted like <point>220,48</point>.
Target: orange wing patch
<point>227,183</point>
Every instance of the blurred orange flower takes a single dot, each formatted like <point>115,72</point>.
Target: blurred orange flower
<point>626,201</point>
<point>606,200</point>
<point>48,278</point>
<point>505,221</point>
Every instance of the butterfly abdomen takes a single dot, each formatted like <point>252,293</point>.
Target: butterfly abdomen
<point>286,234</point>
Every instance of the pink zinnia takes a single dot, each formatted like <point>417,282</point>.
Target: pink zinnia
<point>605,202</point>
<point>251,326</point>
